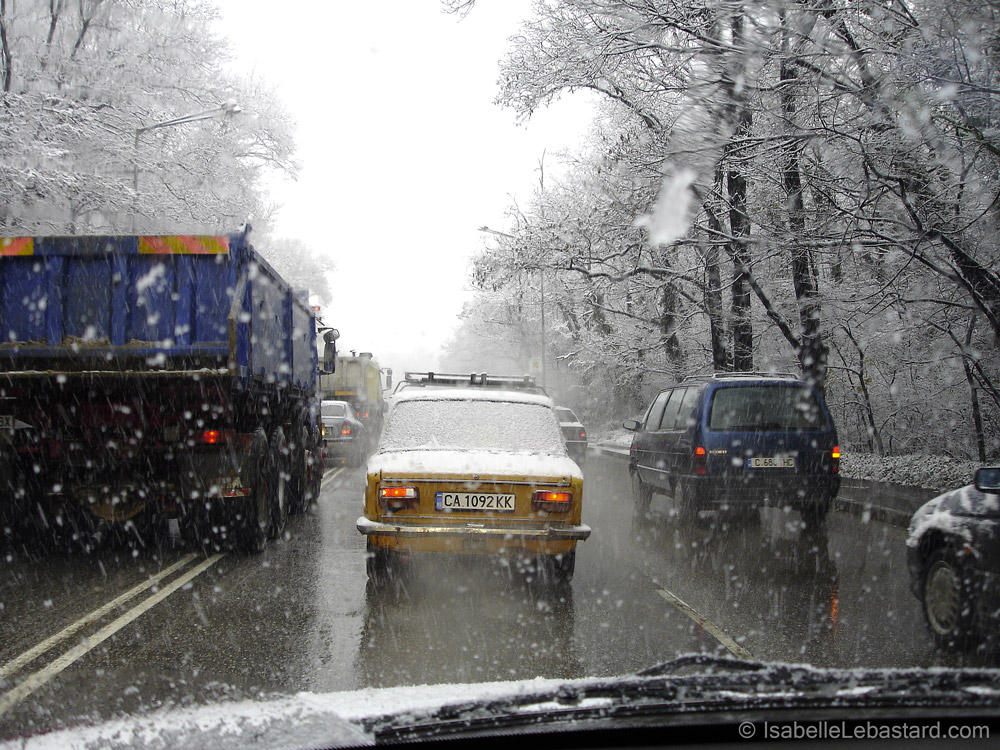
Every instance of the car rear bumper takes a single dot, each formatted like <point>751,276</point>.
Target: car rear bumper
<point>417,531</point>
<point>779,490</point>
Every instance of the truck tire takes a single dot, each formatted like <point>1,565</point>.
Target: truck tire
<point>253,516</point>
<point>316,468</point>
<point>298,487</point>
<point>279,483</point>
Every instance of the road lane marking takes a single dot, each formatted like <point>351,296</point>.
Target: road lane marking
<point>720,635</point>
<point>330,476</point>
<point>39,678</point>
<point>33,653</point>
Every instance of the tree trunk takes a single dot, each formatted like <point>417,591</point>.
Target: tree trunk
<point>739,224</point>
<point>812,350</point>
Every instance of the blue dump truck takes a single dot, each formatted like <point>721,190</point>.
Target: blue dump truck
<point>149,378</point>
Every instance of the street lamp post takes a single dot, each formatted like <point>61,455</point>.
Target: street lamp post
<point>228,107</point>
<point>541,276</point>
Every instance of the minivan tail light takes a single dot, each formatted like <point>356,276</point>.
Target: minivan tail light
<point>551,501</point>
<point>835,460</point>
<point>699,462</point>
<point>394,499</point>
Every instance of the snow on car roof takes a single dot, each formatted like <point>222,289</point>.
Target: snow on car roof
<point>471,394</point>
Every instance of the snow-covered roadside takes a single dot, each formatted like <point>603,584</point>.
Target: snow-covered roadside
<point>916,470</point>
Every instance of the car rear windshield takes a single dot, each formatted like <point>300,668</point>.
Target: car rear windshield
<point>481,425</point>
<point>761,408</point>
<point>334,410</point>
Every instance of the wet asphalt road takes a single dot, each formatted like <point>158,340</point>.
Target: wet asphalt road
<point>87,637</point>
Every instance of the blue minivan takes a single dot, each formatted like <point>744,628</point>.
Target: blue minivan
<point>736,442</point>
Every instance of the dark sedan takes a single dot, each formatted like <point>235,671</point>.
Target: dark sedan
<point>953,553</point>
<point>344,435</point>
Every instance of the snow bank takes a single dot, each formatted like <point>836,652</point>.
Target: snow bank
<point>938,473</point>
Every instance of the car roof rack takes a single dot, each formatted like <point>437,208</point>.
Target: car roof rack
<point>470,380</point>
<point>723,375</point>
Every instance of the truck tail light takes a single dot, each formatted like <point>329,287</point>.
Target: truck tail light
<point>552,501</point>
<point>835,460</point>
<point>394,499</point>
<point>699,462</point>
<point>214,437</point>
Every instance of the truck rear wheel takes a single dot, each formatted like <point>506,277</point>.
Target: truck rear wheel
<point>279,483</point>
<point>254,515</point>
<point>298,485</point>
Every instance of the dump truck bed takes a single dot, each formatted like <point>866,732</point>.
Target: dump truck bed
<point>151,305</point>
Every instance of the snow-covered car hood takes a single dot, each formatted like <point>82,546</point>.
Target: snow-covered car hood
<point>950,512</point>
<point>482,463</point>
<point>299,721</point>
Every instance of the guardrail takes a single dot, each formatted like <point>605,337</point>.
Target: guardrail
<point>892,504</point>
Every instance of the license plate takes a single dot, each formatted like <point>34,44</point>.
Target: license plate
<point>6,422</point>
<point>503,503</point>
<point>771,462</point>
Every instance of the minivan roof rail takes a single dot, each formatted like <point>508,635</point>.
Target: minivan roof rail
<point>722,375</point>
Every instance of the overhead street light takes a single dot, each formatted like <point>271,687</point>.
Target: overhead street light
<point>228,107</point>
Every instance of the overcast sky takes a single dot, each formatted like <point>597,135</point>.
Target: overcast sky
<point>404,155</point>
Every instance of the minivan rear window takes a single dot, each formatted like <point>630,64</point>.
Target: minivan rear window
<point>762,408</point>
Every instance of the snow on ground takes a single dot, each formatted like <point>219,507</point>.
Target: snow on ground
<point>916,470</point>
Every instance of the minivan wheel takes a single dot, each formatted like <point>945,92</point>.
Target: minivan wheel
<point>642,495</point>
<point>687,506</point>
<point>814,514</point>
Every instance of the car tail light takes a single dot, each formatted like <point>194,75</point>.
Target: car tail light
<point>345,430</point>
<point>553,501</point>
<point>699,462</point>
<point>583,435</point>
<point>835,460</point>
<point>395,499</point>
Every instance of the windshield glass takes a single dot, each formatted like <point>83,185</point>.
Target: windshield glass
<point>472,425</point>
<point>334,410</point>
<point>362,356</point>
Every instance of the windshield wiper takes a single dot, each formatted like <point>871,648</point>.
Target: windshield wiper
<point>717,684</point>
<point>700,660</point>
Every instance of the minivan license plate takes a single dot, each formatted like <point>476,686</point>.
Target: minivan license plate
<point>474,501</point>
<point>771,462</point>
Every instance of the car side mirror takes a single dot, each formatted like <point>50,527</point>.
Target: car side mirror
<point>631,425</point>
<point>330,350</point>
<point>988,479</point>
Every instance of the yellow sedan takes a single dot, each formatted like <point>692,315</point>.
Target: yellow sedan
<point>472,472</point>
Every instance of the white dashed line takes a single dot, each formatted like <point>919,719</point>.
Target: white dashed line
<point>31,683</point>
<point>720,635</point>
<point>17,663</point>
